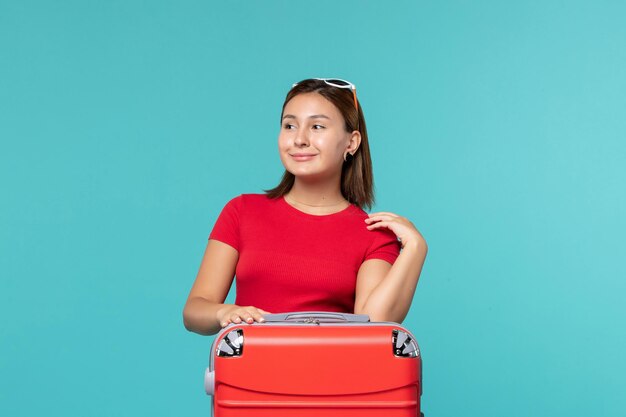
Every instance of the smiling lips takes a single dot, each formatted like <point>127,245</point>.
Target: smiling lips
<point>301,157</point>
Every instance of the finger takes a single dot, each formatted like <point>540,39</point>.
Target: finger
<point>383,216</point>
<point>378,225</point>
<point>225,323</point>
<point>250,314</point>
<point>246,316</point>
<point>384,213</point>
<point>258,317</point>
<point>380,218</point>
<point>235,318</point>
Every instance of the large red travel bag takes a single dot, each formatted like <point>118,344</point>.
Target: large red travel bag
<point>315,364</point>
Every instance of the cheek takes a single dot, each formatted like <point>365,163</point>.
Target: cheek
<point>332,145</point>
<point>282,143</point>
<point>283,148</point>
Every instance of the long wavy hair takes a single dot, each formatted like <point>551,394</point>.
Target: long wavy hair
<point>357,180</point>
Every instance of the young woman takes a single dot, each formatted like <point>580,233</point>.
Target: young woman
<point>307,245</point>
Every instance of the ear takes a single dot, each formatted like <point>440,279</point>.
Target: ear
<point>354,141</point>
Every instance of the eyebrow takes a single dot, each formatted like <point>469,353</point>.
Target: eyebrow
<point>313,116</point>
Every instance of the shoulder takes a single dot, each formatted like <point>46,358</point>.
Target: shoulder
<point>376,236</point>
<point>358,211</point>
<point>249,202</point>
<point>255,200</point>
<point>354,214</point>
<point>249,199</point>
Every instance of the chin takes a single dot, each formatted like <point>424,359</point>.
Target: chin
<point>303,173</point>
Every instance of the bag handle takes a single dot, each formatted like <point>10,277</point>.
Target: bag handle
<point>316,317</point>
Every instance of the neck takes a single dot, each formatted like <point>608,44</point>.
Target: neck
<point>316,198</point>
<point>316,194</point>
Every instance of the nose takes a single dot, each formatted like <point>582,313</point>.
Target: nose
<point>301,140</point>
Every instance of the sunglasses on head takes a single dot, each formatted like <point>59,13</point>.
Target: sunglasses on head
<point>339,83</point>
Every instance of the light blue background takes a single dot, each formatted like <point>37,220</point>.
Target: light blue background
<point>497,127</point>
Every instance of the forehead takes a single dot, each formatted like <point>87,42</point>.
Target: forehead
<point>306,104</point>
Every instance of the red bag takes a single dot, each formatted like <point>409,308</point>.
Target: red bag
<point>315,364</point>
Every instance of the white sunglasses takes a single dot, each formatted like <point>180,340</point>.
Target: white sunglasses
<point>339,83</point>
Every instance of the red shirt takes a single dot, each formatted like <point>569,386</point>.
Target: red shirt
<point>293,261</point>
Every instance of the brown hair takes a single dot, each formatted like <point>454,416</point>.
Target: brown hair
<point>357,182</point>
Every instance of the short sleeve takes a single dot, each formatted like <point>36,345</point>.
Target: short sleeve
<point>226,228</point>
<point>385,246</point>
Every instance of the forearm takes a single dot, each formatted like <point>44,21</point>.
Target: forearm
<point>391,299</point>
<point>201,316</point>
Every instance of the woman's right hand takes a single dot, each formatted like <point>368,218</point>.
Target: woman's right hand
<point>237,314</point>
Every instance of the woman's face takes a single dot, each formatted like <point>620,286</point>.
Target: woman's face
<point>313,138</point>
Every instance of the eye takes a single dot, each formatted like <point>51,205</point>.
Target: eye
<point>317,127</point>
<point>288,126</point>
